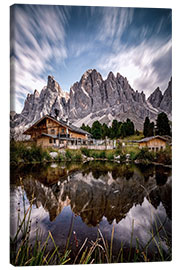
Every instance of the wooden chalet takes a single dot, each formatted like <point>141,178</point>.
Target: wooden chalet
<point>50,131</point>
<point>154,143</point>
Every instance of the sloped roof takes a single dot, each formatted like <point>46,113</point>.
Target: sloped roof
<point>63,123</point>
<point>147,139</point>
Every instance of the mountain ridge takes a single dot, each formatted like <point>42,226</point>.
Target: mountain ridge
<point>92,98</point>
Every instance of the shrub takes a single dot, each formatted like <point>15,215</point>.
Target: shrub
<point>110,156</point>
<point>19,152</point>
<point>133,155</point>
<point>102,154</point>
<point>94,154</point>
<point>145,155</point>
<point>46,156</point>
<point>77,156</point>
<point>122,157</point>
<point>164,156</point>
<point>118,151</point>
<point>68,154</point>
<point>85,151</point>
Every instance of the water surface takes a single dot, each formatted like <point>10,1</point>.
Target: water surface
<point>94,195</point>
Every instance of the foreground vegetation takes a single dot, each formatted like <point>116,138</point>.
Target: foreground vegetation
<point>25,252</point>
<point>23,153</point>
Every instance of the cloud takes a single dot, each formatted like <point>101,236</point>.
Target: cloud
<point>146,66</point>
<point>114,23</point>
<point>58,39</point>
<point>35,42</point>
<point>138,49</point>
<point>144,217</point>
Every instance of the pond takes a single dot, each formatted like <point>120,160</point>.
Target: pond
<point>134,201</point>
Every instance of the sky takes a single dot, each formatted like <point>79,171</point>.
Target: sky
<point>65,41</point>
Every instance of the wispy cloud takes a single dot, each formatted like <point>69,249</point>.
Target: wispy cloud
<point>146,66</point>
<point>66,41</point>
<point>36,42</point>
<point>114,23</point>
<point>139,51</point>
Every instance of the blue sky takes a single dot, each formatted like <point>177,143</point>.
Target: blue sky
<point>65,41</point>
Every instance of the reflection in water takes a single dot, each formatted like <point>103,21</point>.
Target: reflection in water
<point>99,194</point>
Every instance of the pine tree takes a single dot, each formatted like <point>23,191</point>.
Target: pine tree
<point>114,129</point>
<point>104,131</point>
<point>151,129</point>
<point>96,130</point>
<point>146,126</point>
<point>162,124</point>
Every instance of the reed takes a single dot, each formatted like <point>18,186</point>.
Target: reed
<point>23,253</point>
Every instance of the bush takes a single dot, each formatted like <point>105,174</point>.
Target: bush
<point>68,154</point>
<point>102,154</point>
<point>77,156</point>
<point>164,157</point>
<point>118,152</point>
<point>94,154</point>
<point>145,155</point>
<point>122,157</point>
<point>85,151</point>
<point>46,156</point>
<point>133,155</point>
<point>19,152</point>
<point>110,156</point>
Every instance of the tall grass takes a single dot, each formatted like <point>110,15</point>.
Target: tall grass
<point>23,253</point>
<point>21,153</point>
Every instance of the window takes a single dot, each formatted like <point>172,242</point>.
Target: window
<point>161,147</point>
<point>62,130</point>
<point>54,140</point>
<point>50,140</point>
<point>52,131</point>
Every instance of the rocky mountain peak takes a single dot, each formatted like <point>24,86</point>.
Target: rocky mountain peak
<point>111,76</point>
<point>118,76</point>
<point>93,98</point>
<point>36,93</point>
<point>163,102</point>
<point>166,103</point>
<point>90,76</point>
<point>86,75</point>
<point>155,98</point>
<point>53,85</point>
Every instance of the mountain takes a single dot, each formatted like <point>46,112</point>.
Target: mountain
<point>37,105</point>
<point>91,99</point>
<point>155,98</point>
<point>160,101</point>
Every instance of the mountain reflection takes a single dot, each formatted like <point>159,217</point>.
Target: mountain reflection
<point>96,189</point>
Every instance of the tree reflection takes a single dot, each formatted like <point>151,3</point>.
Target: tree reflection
<point>97,189</point>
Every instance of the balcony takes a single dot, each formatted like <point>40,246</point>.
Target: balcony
<point>60,135</point>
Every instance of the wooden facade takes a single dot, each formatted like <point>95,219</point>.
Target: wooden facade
<point>48,131</point>
<point>154,143</point>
